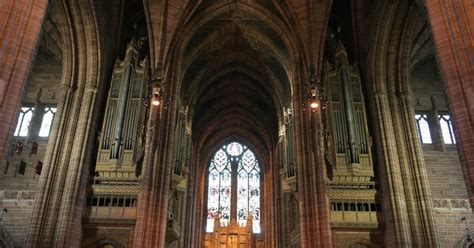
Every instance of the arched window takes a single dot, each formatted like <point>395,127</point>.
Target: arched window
<point>24,120</point>
<point>233,187</point>
<point>47,122</point>
<point>447,129</point>
<point>423,128</point>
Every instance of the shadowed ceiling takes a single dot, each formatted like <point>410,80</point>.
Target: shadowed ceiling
<point>235,76</point>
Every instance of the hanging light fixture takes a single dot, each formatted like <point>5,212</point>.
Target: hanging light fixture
<point>155,99</point>
<point>314,99</point>
<point>314,102</point>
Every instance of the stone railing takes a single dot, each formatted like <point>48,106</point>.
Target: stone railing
<point>115,178</point>
<point>110,212</point>
<point>107,205</point>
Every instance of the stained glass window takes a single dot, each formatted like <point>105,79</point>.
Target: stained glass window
<point>219,192</point>
<point>24,120</point>
<point>234,161</point>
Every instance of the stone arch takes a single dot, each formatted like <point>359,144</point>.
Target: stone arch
<point>254,9</point>
<point>300,37</point>
<point>388,74</point>
<point>229,119</point>
<point>86,62</point>
<point>251,147</point>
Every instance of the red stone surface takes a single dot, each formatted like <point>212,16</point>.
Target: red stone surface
<point>452,25</point>
<point>21,24</point>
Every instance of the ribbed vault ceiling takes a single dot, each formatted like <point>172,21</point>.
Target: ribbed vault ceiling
<point>235,78</point>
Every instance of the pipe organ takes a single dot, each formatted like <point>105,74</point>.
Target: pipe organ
<point>352,188</point>
<point>349,152</point>
<point>121,141</point>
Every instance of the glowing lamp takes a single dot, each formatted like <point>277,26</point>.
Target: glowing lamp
<point>314,104</point>
<point>313,100</point>
<point>155,100</point>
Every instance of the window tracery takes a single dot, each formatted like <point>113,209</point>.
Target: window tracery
<point>447,131</point>
<point>47,121</point>
<point>423,128</point>
<point>233,164</point>
<point>24,121</point>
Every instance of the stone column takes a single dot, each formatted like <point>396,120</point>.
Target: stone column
<point>452,23</point>
<point>21,23</point>
<point>152,216</point>
<point>420,195</point>
<point>314,221</point>
<point>60,198</point>
<point>233,193</point>
<point>398,227</point>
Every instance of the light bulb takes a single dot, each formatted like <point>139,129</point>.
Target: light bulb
<point>155,101</point>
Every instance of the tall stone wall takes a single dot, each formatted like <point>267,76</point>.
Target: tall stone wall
<point>426,84</point>
<point>362,238</point>
<point>453,215</point>
<point>17,191</point>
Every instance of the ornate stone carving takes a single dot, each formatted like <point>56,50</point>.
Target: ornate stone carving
<point>98,189</point>
<point>17,195</point>
<point>451,204</point>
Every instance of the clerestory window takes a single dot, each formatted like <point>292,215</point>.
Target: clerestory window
<point>47,121</point>
<point>446,126</point>
<point>24,121</point>
<point>233,187</point>
<point>423,128</point>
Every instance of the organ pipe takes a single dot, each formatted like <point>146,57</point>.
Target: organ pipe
<point>125,111</point>
<point>349,116</point>
<point>121,110</point>
<point>347,144</point>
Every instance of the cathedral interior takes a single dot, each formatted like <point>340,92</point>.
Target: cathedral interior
<point>237,123</point>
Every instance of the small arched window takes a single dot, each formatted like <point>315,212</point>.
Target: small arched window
<point>233,187</point>
<point>423,128</point>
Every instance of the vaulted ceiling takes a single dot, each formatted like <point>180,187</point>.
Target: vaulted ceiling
<point>235,75</point>
<point>232,63</point>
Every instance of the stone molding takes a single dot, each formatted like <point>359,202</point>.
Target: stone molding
<point>451,204</point>
<point>366,195</point>
<point>17,195</point>
<point>355,225</point>
<point>96,189</point>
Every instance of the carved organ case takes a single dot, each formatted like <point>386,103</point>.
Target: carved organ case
<point>122,134</point>
<point>351,188</point>
<point>349,149</point>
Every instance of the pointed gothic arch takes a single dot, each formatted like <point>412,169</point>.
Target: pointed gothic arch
<point>234,187</point>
